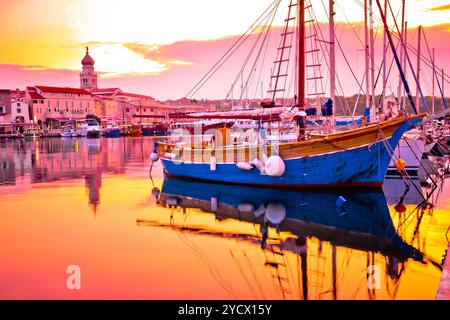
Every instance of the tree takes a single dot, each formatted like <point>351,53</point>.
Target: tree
<point>94,117</point>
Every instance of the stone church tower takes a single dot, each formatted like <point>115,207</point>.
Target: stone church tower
<point>88,77</point>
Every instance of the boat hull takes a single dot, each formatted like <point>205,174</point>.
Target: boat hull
<point>359,165</point>
<point>112,133</point>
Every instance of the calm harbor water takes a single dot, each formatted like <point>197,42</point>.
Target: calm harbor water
<point>93,204</point>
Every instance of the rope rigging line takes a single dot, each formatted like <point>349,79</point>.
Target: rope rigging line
<point>241,71</point>
<point>345,104</point>
<point>408,45</point>
<point>435,74</point>
<point>264,44</point>
<point>254,26</point>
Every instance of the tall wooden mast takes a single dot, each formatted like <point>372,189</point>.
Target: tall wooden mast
<point>418,71</point>
<point>301,47</point>
<point>332,56</point>
<point>367,55</point>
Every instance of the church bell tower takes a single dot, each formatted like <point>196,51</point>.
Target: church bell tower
<point>88,77</point>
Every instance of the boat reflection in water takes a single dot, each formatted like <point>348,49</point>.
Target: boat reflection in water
<point>290,222</point>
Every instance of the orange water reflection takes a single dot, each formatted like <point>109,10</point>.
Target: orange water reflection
<point>90,203</point>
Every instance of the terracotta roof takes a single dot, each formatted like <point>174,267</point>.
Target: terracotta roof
<point>17,94</point>
<point>106,91</point>
<point>135,95</point>
<point>35,95</point>
<point>62,90</point>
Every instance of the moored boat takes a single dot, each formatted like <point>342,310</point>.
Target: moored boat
<point>93,129</point>
<point>32,133</point>
<point>111,131</point>
<point>355,156</point>
<point>157,129</point>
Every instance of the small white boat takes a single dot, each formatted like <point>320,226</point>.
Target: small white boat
<point>93,129</point>
<point>68,132</point>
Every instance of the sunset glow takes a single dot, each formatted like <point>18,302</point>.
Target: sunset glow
<point>132,41</point>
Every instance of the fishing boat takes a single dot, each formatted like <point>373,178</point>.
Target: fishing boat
<point>357,157</point>
<point>132,130</point>
<point>32,133</point>
<point>157,129</point>
<point>111,131</point>
<point>68,131</point>
<point>93,129</point>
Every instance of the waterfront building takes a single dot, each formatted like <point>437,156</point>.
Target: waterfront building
<point>52,106</point>
<point>5,111</point>
<point>20,111</point>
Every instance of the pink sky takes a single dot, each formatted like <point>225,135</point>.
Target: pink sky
<point>42,53</point>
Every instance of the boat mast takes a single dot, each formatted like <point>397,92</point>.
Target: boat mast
<point>402,51</point>
<point>301,54</point>
<point>432,86</point>
<point>419,35</point>
<point>443,93</point>
<point>366,51</point>
<point>332,57</point>
<point>372,54</point>
<point>383,94</point>
<point>405,69</point>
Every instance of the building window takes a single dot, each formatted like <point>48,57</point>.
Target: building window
<point>2,109</point>
<point>19,110</point>
<point>42,101</point>
<point>151,110</point>
<point>49,110</point>
<point>35,101</point>
<point>18,104</point>
<point>127,110</point>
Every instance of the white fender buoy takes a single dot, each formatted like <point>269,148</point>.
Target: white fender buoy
<point>260,211</point>
<point>259,164</point>
<point>213,204</point>
<point>244,166</point>
<point>154,157</point>
<point>213,163</point>
<point>274,166</point>
<point>171,155</point>
<point>246,207</point>
<point>155,193</point>
<point>275,213</point>
<point>172,202</point>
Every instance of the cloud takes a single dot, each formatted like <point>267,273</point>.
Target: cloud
<point>156,53</point>
<point>441,8</point>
